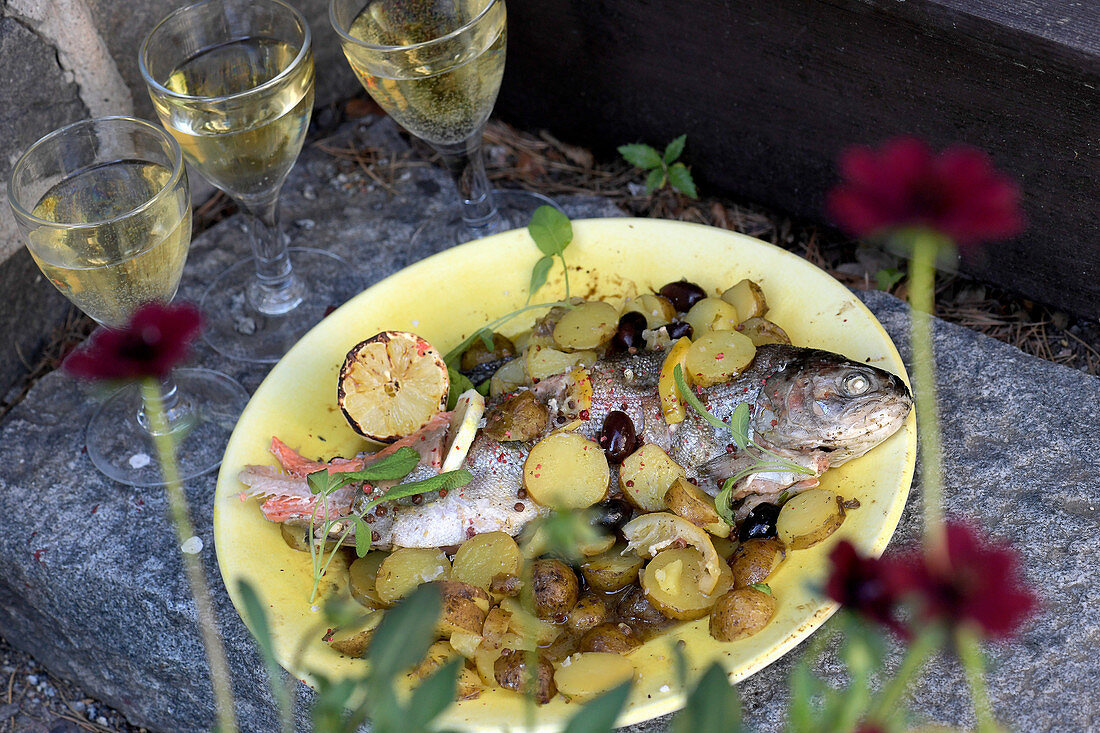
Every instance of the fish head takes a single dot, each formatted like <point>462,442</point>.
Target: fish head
<point>823,402</point>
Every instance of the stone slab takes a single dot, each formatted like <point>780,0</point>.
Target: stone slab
<point>91,583</point>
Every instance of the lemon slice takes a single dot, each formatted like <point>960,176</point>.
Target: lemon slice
<point>650,533</point>
<point>391,385</point>
<point>467,416</point>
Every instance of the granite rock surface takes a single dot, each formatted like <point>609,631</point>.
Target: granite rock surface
<point>91,582</point>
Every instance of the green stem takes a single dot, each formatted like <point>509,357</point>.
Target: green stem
<point>968,646</point>
<point>922,285</point>
<point>177,502</point>
<point>891,696</point>
<point>565,270</point>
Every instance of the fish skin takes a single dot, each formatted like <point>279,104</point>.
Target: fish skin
<point>800,389</point>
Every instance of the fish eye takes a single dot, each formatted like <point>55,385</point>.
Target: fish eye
<point>855,384</point>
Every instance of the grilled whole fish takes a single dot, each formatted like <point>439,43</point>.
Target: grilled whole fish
<point>814,408</point>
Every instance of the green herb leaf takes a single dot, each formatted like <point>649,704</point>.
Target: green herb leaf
<point>459,384</point>
<point>739,425</point>
<point>362,535</point>
<point>256,617</point>
<point>551,230</point>
<point>432,696</point>
<point>483,388</point>
<point>690,398</point>
<point>655,180</point>
<point>406,632</point>
<point>538,274</point>
<point>888,277</point>
<point>487,339</point>
<point>599,714</point>
<point>712,707</point>
<point>783,496</point>
<point>762,587</point>
<point>674,149</point>
<point>396,465</point>
<point>723,500</point>
<point>323,482</point>
<point>445,481</point>
<point>640,156</point>
<point>680,178</point>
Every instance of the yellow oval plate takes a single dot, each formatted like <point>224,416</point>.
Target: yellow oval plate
<point>448,296</point>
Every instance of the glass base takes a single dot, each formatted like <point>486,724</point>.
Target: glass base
<point>234,328</point>
<point>124,451</point>
<point>515,207</point>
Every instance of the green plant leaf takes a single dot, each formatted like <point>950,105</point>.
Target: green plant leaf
<point>888,277</point>
<point>723,500</point>
<point>690,398</point>
<point>655,180</point>
<point>483,388</point>
<point>712,707</point>
<point>406,632</point>
<point>680,178</point>
<point>762,587</point>
<point>800,714</point>
<point>674,149</point>
<point>599,715</point>
<point>432,696</point>
<point>362,535</point>
<point>539,273</point>
<point>551,230</point>
<point>739,425</point>
<point>487,339</point>
<point>396,465</point>
<point>443,482</point>
<point>459,384</point>
<point>261,632</point>
<point>640,156</point>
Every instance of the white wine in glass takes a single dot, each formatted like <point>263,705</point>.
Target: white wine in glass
<point>105,210</point>
<point>436,69</point>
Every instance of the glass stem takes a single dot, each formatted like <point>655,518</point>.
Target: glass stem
<point>275,289</point>
<point>467,167</point>
<point>177,413</point>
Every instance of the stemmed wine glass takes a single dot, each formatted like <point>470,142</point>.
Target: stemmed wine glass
<point>436,69</point>
<point>232,80</point>
<point>106,213</point>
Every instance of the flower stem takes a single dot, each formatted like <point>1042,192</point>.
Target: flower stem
<point>889,699</point>
<point>177,501</point>
<point>922,283</point>
<point>968,646</point>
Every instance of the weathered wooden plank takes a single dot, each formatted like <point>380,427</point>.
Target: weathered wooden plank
<point>770,91</point>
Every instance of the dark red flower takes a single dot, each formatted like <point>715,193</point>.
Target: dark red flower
<point>904,184</point>
<point>979,583</point>
<point>157,338</point>
<point>864,585</point>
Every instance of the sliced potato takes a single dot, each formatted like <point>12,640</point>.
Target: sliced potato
<point>437,656</point>
<point>508,378</point>
<point>755,560</point>
<point>646,475</point>
<point>649,534</point>
<point>363,578</point>
<point>613,570</point>
<point>566,471</point>
<point>672,583</point>
<point>587,326</point>
<point>809,517</point>
<point>725,546</point>
<point>520,417</point>
<point>687,500</point>
<point>585,675</point>
<point>542,361</point>
<point>597,546</point>
<point>741,612</point>
<point>353,640</point>
<point>408,568</point>
<point>527,625</point>
<point>712,314</point>
<point>761,331</point>
<point>747,297</point>
<point>485,659</point>
<point>464,607</point>
<point>718,357</point>
<point>296,536</point>
<point>672,406</point>
<point>484,556</point>
<point>466,642</point>
<point>494,628</point>
<point>657,309</point>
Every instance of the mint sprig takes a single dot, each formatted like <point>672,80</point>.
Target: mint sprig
<point>663,168</point>
<point>552,232</point>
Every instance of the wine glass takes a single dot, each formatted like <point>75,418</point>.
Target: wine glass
<point>232,80</point>
<point>106,213</point>
<point>436,69</point>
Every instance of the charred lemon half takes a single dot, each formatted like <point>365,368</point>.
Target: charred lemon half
<point>391,385</point>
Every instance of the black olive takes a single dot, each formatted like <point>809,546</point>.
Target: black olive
<point>611,515</point>
<point>628,335</point>
<point>683,294</point>
<point>678,329</point>
<point>760,524</point>
<point>618,437</point>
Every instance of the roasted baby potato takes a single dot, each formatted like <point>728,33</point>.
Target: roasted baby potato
<point>587,326</point>
<point>510,672</point>
<point>718,357</point>
<point>542,361</point>
<point>611,638</point>
<point>464,607</point>
<point>747,297</point>
<point>296,536</point>
<point>484,556</point>
<point>566,470</point>
<point>494,628</point>
<point>693,504</point>
<point>741,612</point>
<point>809,517</point>
<point>711,314</point>
<point>408,568</point>
<point>588,674</point>
<point>612,570</point>
<point>520,417</point>
<point>591,611</point>
<point>761,331</point>
<point>636,610</point>
<point>476,354</point>
<point>555,586</point>
<point>354,640</point>
<point>646,476</point>
<point>508,378</point>
<point>363,578</point>
<point>755,560</point>
<point>671,584</point>
<point>657,309</point>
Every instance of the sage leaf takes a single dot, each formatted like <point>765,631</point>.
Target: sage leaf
<point>551,230</point>
<point>396,465</point>
<point>691,399</point>
<point>674,149</point>
<point>762,587</point>
<point>739,425</point>
<point>486,338</point>
<point>538,274</point>
<point>655,180</point>
<point>432,696</point>
<point>680,178</point>
<point>443,482</point>
<point>459,384</point>
<point>722,501</point>
<point>599,714</point>
<point>640,156</point>
<point>406,632</point>
<point>362,535</point>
